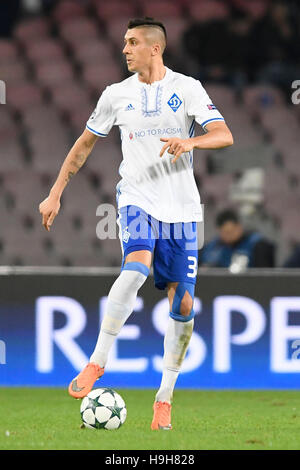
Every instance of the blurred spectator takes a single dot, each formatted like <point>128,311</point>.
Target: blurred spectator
<point>276,58</point>
<point>9,12</point>
<point>275,36</point>
<point>240,48</point>
<point>244,48</point>
<point>293,260</point>
<point>209,44</point>
<point>235,248</point>
<point>222,48</point>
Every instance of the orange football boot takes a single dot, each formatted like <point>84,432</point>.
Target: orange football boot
<point>161,416</point>
<point>83,383</point>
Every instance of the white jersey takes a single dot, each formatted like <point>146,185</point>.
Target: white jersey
<point>145,113</point>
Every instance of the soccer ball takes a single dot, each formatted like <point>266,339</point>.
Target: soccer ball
<point>103,408</point>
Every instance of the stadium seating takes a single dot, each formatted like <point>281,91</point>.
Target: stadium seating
<point>216,187</point>
<point>66,10</point>
<point>116,29</point>
<point>14,72</point>
<point>24,95</point>
<point>45,50</point>
<point>57,66</point>
<point>258,97</point>
<point>31,30</point>
<point>77,30</point>
<point>70,97</point>
<point>79,117</point>
<point>11,157</point>
<point>52,74</point>
<point>109,10</point>
<point>97,76</point>
<point>161,9</point>
<point>208,10</point>
<point>255,8</point>
<point>8,128</point>
<point>8,51</point>
<point>17,184</point>
<point>94,51</point>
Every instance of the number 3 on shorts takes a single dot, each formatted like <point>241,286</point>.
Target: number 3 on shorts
<point>193,266</point>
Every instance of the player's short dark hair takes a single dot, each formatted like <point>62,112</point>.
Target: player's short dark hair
<point>227,215</point>
<point>147,21</point>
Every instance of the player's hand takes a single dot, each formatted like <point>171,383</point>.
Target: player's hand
<point>176,147</point>
<point>49,209</point>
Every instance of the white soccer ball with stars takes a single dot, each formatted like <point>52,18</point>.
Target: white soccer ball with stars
<point>103,408</point>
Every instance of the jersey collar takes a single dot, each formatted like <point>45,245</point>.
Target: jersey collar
<point>157,82</point>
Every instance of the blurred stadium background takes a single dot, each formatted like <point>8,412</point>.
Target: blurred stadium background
<point>56,57</point>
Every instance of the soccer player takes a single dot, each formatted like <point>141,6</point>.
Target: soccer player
<point>156,110</point>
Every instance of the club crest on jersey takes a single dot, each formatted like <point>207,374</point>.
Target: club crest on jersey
<point>174,102</point>
<point>211,106</point>
<point>126,235</point>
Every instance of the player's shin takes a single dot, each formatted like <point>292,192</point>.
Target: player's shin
<point>176,342</point>
<point>120,304</point>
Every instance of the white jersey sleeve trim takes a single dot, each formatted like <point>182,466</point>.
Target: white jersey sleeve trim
<point>211,120</point>
<point>95,132</point>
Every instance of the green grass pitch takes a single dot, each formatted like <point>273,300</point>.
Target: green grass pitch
<point>47,418</point>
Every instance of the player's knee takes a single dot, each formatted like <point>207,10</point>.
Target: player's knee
<point>126,286</point>
<point>186,305</point>
<point>138,273</point>
<point>182,307</point>
<point>136,266</point>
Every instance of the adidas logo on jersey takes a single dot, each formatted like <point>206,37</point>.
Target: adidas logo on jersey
<point>129,107</point>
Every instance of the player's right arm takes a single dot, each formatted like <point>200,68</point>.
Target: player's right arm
<point>77,156</point>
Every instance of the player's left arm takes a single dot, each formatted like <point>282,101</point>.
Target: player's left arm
<point>217,136</point>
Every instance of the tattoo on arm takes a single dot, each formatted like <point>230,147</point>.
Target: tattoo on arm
<point>70,174</point>
<point>79,160</point>
<point>77,163</point>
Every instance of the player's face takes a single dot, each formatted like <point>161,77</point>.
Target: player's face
<point>230,232</point>
<point>136,50</point>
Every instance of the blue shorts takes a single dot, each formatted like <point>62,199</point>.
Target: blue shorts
<point>174,245</point>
